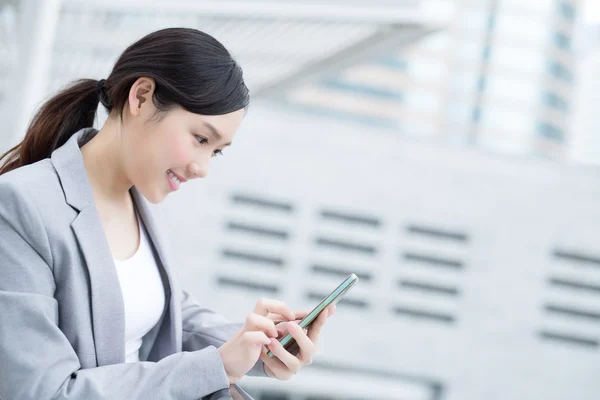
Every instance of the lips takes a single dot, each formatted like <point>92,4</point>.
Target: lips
<point>181,178</point>
<point>174,180</point>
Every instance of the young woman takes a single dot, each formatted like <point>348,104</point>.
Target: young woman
<point>90,307</point>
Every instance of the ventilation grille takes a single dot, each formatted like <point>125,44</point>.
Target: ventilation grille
<point>432,260</point>
<point>345,242</point>
<point>258,235</point>
<point>577,278</point>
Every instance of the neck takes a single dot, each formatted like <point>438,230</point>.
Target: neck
<point>103,161</point>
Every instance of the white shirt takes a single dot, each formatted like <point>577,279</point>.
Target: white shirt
<point>143,295</point>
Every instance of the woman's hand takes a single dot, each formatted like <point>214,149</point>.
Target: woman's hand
<point>285,364</point>
<point>241,352</point>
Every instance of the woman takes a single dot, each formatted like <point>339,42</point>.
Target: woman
<point>90,307</point>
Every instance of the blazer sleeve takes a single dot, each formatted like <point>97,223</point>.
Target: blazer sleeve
<point>36,359</point>
<point>203,327</point>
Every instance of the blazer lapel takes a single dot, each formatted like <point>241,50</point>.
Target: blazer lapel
<point>108,315</point>
<point>173,317</point>
<point>108,312</point>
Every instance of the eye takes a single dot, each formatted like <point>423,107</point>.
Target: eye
<point>201,140</point>
<point>217,153</point>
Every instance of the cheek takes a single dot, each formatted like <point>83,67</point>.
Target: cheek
<point>179,153</point>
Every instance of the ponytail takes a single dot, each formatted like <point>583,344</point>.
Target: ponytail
<point>72,109</point>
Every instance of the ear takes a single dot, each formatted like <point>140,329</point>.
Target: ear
<point>140,95</point>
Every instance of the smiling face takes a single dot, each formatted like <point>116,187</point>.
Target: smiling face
<point>161,155</point>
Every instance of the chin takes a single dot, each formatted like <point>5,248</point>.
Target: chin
<point>153,196</point>
<point>155,200</point>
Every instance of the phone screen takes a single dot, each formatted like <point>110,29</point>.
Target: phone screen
<point>288,341</point>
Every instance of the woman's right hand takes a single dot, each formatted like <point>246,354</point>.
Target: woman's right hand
<point>242,351</point>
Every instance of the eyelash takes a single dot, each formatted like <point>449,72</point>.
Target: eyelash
<point>203,141</point>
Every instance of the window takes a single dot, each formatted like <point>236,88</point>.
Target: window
<point>481,83</point>
<point>559,71</point>
<point>491,23</point>
<point>551,131</point>
<point>553,100</point>
<point>476,114</point>
<point>486,52</point>
<point>566,9</point>
<point>562,41</point>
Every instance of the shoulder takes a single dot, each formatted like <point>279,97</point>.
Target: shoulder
<point>32,200</point>
<point>29,185</point>
<point>26,204</point>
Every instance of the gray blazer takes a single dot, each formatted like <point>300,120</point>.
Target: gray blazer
<point>62,327</point>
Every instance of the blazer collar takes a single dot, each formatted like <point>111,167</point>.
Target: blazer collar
<point>68,162</point>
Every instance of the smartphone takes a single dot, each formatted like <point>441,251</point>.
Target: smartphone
<point>288,341</point>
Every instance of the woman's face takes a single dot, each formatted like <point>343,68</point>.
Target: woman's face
<point>162,155</point>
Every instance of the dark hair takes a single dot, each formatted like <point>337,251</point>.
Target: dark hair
<point>191,69</point>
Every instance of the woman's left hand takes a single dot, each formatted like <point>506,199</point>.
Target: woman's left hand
<point>285,364</point>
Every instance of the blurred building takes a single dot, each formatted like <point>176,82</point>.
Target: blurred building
<point>500,78</point>
<point>585,140</point>
<point>498,75</point>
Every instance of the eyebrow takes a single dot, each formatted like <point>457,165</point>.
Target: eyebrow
<point>215,133</point>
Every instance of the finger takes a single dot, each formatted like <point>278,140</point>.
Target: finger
<point>315,328</point>
<point>276,317</point>
<point>299,315</point>
<point>277,368</point>
<point>255,322</point>
<point>307,347</point>
<point>265,306</point>
<point>280,328</point>
<point>332,309</point>
<point>255,338</point>
<point>292,363</point>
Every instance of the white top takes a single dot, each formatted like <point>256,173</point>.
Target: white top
<point>143,294</point>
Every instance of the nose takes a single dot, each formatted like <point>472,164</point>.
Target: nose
<point>197,170</point>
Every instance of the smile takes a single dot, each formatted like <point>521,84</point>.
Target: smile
<point>174,180</point>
